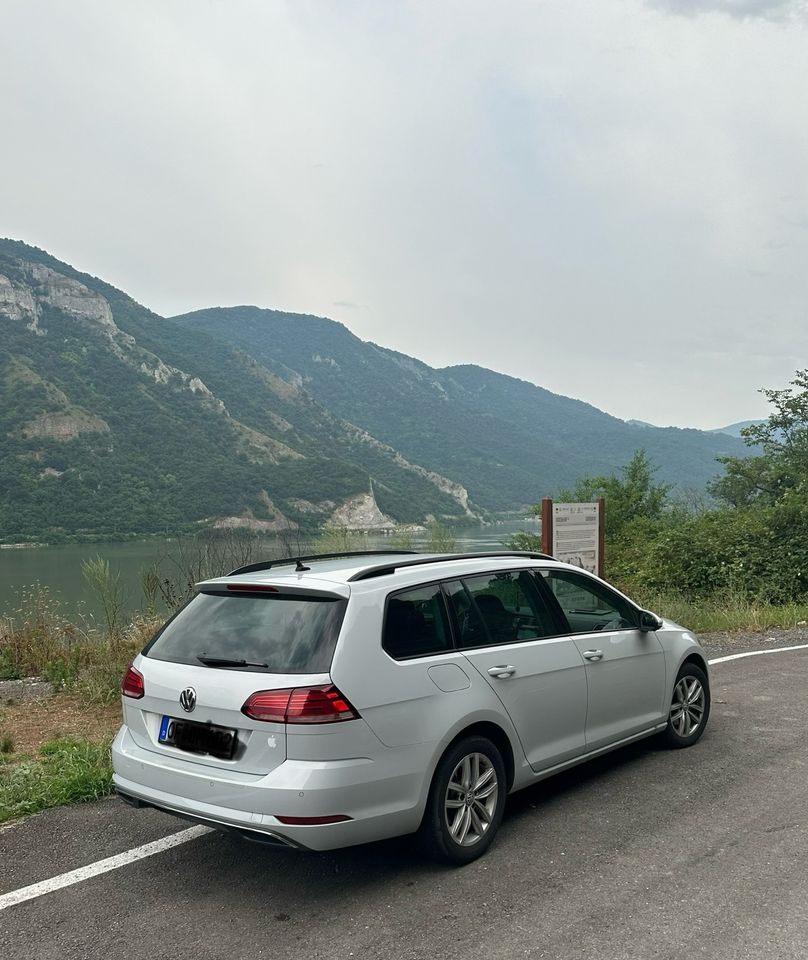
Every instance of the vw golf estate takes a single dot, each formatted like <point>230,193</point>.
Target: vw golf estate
<point>326,701</point>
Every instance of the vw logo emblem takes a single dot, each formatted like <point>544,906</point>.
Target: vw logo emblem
<point>188,699</point>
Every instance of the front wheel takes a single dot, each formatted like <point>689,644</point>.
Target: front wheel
<point>466,802</point>
<point>690,707</point>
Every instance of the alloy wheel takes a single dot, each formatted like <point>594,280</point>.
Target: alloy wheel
<point>687,707</point>
<point>471,799</point>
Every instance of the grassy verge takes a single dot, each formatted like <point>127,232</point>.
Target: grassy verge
<point>62,771</point>
<point>725,613</point>
<point>77,657</point>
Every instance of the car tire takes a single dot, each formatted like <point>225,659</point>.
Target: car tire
<point>690,707</point>
<point>465,804</point>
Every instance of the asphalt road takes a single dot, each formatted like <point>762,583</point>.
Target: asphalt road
<point>643,854</point>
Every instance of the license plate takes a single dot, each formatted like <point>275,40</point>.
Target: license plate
<point>198,737</point>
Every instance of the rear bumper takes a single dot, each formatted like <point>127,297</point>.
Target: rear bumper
<point>167,806</point>
<point>384,796</point>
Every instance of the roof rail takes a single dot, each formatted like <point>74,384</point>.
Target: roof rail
<point>268,564</point>
<point>383,568</point>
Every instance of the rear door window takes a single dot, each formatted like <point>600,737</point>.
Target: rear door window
<point>415,624</point>
<point>469,626</point>
<point>279,633</point>
<point>509,606</point>
<point>498,608</point>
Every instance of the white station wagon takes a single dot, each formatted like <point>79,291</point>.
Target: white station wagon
<point>326,701</point>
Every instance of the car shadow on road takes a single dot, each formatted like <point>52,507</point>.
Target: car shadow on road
<point>398,861</point>
<point>601,769</point>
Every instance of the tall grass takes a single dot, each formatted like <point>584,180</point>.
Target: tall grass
<point>726,612</point>
<point>65,771</point>
<point>109,591</point>
<point>38,640</point>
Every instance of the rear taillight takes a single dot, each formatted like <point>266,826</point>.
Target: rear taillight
<point>269,705</point>
<point>132,684</point>
<point>299,705</point>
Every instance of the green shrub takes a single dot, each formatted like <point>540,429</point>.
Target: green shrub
<point>440,539</point>
<point>757,553</point>
<point>64,771</point>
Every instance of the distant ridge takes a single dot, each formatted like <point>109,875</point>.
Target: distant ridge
<point>734,429</point>
<point>507,441</point>
<point>115,421</point>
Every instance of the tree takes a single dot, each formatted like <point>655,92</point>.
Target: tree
<point>630,495</point>
<point>781,469</point>
<point>636,509</point>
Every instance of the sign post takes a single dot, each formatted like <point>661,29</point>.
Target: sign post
<point>546,525</point>
<point>573,533</point>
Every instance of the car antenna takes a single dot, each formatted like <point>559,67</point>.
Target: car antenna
<point>300,567</point>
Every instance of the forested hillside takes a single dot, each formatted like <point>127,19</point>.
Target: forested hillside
<point>115,421</point>
<point>502,438</point>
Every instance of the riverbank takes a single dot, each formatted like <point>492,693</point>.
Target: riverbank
<point>58,568</point>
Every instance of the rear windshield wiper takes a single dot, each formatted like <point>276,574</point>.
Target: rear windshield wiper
<point>228,662</point>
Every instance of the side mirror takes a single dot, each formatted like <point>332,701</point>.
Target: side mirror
<point>649,621</point>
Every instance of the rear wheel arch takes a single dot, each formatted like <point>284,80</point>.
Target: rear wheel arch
<point>466,799</point>
<point>491,731</point>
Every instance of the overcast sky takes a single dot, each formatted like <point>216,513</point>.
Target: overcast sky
<point>608,198</point>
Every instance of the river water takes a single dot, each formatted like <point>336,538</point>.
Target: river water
<point>58,568</point>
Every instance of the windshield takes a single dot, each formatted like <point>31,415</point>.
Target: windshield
<point>279,633</point>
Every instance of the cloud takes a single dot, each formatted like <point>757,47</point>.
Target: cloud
<point>556,191</point>
<point>740,9</point>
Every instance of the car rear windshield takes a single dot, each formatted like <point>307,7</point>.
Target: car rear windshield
<point>292,633</point>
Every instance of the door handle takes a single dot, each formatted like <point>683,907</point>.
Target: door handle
<point>593,654</point>
<point>502,673</point>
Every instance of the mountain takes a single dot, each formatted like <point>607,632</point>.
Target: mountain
<point>114,420</point>
<point>507,441</point>
<point>734,429</point>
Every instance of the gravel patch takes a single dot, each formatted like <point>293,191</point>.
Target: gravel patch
<point>739,641</point>
<point>31,689</point>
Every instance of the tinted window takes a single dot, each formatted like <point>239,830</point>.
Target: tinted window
<point>510,606</point>
<point>471,630</point>
<point>290,634</point>
<point>587,604</point>
<point>496,608</point>
<point>415,624</point>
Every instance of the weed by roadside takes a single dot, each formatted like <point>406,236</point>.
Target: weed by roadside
<point>63,771</point>
<point>725,612</point>
<point>37,636</point>
<point>39,642</point>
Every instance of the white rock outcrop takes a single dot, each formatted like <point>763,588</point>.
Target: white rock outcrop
<point>361,513</point>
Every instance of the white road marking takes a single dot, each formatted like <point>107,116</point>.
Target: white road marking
<point>757,653</point>
<point>175,839</point>
<point>100,866</point>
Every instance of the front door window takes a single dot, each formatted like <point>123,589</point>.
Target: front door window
<point>588,604</point>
